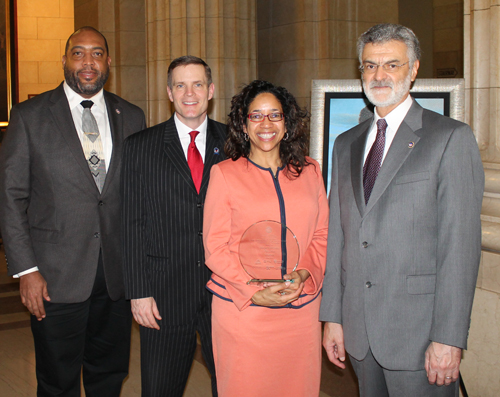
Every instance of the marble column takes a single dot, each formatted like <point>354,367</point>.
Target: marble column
<point>482,74</point>
<point>221,32</point>
<point>316,39</point>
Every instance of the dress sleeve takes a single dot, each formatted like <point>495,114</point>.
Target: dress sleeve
<point>216,237</point>
<point>314,258</point>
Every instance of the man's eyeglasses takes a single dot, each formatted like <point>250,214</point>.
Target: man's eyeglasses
<point>371,68</point>
<point>258,117</point>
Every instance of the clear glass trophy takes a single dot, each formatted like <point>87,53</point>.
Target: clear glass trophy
<point>268,250</point>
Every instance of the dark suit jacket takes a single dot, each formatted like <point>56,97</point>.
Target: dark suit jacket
<point>163,220</point>
<point>51,212</point>
<point>401,270</point>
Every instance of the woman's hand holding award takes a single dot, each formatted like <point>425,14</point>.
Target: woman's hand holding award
<point>268,250</point>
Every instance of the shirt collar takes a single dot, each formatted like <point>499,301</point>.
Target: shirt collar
<point>183,129</point>
<point>74,98</point>
<point>397,115</point>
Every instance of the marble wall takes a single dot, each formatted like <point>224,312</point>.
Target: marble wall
<point>43,28</point>
<point>482,76</point>
<point>220,32</point>
<point>315,39</point>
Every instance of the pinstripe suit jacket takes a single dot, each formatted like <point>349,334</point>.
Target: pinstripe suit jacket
<point>52,214</point>
<point>163,220</point>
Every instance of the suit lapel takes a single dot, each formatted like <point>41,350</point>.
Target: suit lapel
<point>59,107</point>
<point>357,157</point>
<point>116,126</point>
<point>175,153</point>
<point>402,145</point>
<point>214,153</point>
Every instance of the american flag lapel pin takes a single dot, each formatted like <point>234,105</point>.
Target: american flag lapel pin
<point>118,111</point>
<point>216,150</point>
<point>410,145</point>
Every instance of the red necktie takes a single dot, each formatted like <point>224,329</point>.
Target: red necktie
<point>374,160</point>
<point>195,161</point>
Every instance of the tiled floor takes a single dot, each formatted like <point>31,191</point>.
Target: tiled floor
<point>17,358</point>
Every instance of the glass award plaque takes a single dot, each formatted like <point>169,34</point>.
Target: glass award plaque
<point>268,250</point>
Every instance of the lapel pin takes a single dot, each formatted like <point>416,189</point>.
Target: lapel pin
<point>216,150</point>
<point>118,111</point>
<point>411,144</point>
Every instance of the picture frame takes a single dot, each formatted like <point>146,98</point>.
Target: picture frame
<point>338,105</point>
<point>7,60</point>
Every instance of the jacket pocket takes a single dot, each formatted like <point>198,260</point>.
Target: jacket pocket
<point>410,178</point>
<point>421,284</point>
<point>44,235</point>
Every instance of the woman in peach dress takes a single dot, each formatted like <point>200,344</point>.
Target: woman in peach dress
<point>266,336</point>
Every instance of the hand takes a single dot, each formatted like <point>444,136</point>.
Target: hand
<point>146,312</point>
<point>276,295</point>
<point>299,277</point>
<point>333,342</point>
<point>442,363</point>
<point>33,289</point>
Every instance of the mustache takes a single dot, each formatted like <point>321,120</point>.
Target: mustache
<point>87,69</point>
<point>381,83</point>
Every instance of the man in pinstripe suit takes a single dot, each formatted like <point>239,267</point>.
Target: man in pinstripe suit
<point>165,272</point>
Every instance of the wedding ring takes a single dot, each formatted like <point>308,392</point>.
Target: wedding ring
<point>448,377</point>
<point>282,293</point>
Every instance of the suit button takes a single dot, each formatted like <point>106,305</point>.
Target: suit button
<point>101,203</point>
<point>199,205</point>
<point>200,233</point>
<point>364,244</point>
<point>368,284</point>
<point>198,263</point>
<point>96,234</point>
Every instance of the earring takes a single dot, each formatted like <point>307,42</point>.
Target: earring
<point>245,137</point>
<point>285,138</point>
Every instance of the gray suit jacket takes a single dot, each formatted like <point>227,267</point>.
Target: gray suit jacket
<point>402,270</point>
<point>51,212</point>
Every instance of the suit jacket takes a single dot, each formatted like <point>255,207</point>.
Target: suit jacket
<point>401,270</point>
<point>163,220</point>
<point>51,212</point>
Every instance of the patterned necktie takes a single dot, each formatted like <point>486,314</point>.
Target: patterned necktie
<point>374,160</point>
<point>92,145</point>
<point>195,161</point>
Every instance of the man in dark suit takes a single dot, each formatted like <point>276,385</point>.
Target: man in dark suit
<point>60,166</point>
<point>404,234</point>
<point>164,183</point>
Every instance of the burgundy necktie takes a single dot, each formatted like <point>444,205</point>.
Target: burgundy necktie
<point>374,160</point>
<point>195,161</point>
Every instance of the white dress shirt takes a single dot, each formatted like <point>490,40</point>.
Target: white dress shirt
<point>201,139</point>
<point>394,120</point>
<point>100,113</point>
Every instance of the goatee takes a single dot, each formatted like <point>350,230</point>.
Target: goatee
<point>82,87</point>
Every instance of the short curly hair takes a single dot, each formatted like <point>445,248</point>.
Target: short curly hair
<point>293,150</point>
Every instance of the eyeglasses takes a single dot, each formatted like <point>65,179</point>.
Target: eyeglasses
<point>371,68</point>
<point>259,117</point>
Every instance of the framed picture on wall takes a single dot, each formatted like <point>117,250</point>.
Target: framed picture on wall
<point>338,105</point>
<point>7,88</point>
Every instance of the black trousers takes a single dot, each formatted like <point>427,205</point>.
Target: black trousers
<point>94,334</point>
<point>167,355</point>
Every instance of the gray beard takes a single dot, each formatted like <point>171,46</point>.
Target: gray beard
<point>398,93</point>
<point>85,88</point>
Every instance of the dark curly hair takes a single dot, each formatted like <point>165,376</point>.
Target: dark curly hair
<point>292,150</point>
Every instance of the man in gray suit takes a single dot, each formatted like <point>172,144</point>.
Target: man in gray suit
<point>404,235</point>
<point>60,218</point>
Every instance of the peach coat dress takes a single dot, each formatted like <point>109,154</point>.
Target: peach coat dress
<point>263,351</point>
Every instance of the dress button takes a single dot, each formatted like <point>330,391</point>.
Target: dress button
<point>101,203</point>
<point>96,234</point>
<point>364,244</point>
<point>200,233</point>
<point>198,263</point>
<point>368,284</point>
<point>199,205</point>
